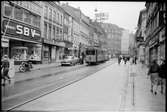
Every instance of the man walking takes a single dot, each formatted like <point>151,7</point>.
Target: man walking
<point>162,75</point>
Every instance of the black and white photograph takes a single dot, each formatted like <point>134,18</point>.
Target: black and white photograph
<point>83,56</point>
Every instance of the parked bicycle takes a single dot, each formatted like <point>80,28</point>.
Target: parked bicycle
<point>25,66</point>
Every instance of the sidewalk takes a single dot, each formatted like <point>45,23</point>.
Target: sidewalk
<point>35,72</point>
<point>138,97</point>
<point>39,66</point>
<point>41,71</point>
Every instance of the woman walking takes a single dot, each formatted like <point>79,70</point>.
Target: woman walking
<point>154,76</point>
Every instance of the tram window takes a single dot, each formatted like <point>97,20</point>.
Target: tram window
<point>90,52</point>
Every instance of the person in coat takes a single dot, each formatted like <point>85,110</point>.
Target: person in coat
<point>162,75</point>
<point>154,76</point>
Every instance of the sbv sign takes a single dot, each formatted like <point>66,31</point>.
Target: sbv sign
<point>26,31</point>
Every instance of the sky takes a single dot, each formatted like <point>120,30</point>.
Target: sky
<point>123,14</point>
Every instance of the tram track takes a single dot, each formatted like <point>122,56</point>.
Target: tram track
<point>43,90</point>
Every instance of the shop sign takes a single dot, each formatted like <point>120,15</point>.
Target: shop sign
<point>21,30</point>
<point>4,42</point>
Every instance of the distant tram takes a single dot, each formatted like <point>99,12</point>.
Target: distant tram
<point>96,55</point>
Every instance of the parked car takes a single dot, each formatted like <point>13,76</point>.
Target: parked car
<point>70,60</point>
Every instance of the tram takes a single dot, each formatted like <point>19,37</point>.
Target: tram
<point>95,55</point>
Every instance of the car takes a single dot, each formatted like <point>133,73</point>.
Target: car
<point>70,60</point>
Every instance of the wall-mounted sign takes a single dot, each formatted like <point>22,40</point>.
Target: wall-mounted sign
<point>4,42</point>
<point>20,30</point>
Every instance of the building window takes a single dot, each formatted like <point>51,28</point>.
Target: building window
<point>45,30</point>
<point>8,10</point>
<point>27,17</point>
<point>36,20</point>
<point>58,18</point>
<point>54,32</point>
<point>50,14</point>
<point>54,16</point>
<point>61,19</point>
<point>46,12</point>
<point>49,34</point>
<point>18,13</point>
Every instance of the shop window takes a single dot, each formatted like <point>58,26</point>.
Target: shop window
<point>46,54</point>
<point>19,53</point>
<point>18,13</point>
<point>27,17</point>
<point>8,10</point>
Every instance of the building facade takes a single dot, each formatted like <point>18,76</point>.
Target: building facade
<point>114,34</point>
<point>125,42</point>
<point>52,32</point>
<point>155,30</point>
<point>21,33</point>
<point>132,45</point>
<point>141,36</point>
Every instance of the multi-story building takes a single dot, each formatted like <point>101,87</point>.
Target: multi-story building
<point>21,33</point>
<point>132,44</point>
<point>114,34</point>
<point>80,29</point>
<point>75,29</point>
<point>155,30</point>
<point>56,29</point>
<point>125,42</point>
<point>141,36</point>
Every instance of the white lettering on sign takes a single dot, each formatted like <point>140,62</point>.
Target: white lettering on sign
<point>19,28</point>
<point>26,31</point>
<point>33,32</point>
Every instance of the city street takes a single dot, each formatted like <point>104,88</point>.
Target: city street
<point>83,56</point>
<point>53,79</point>
<point>106,90</point>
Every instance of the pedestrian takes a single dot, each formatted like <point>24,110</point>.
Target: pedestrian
<point>119,59</point>
<point>162,75</point>
<point>154,76</point>
<point>5,69</point>
<point>82,58</point>
<point>125,60</point>
<point>135,59</point>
